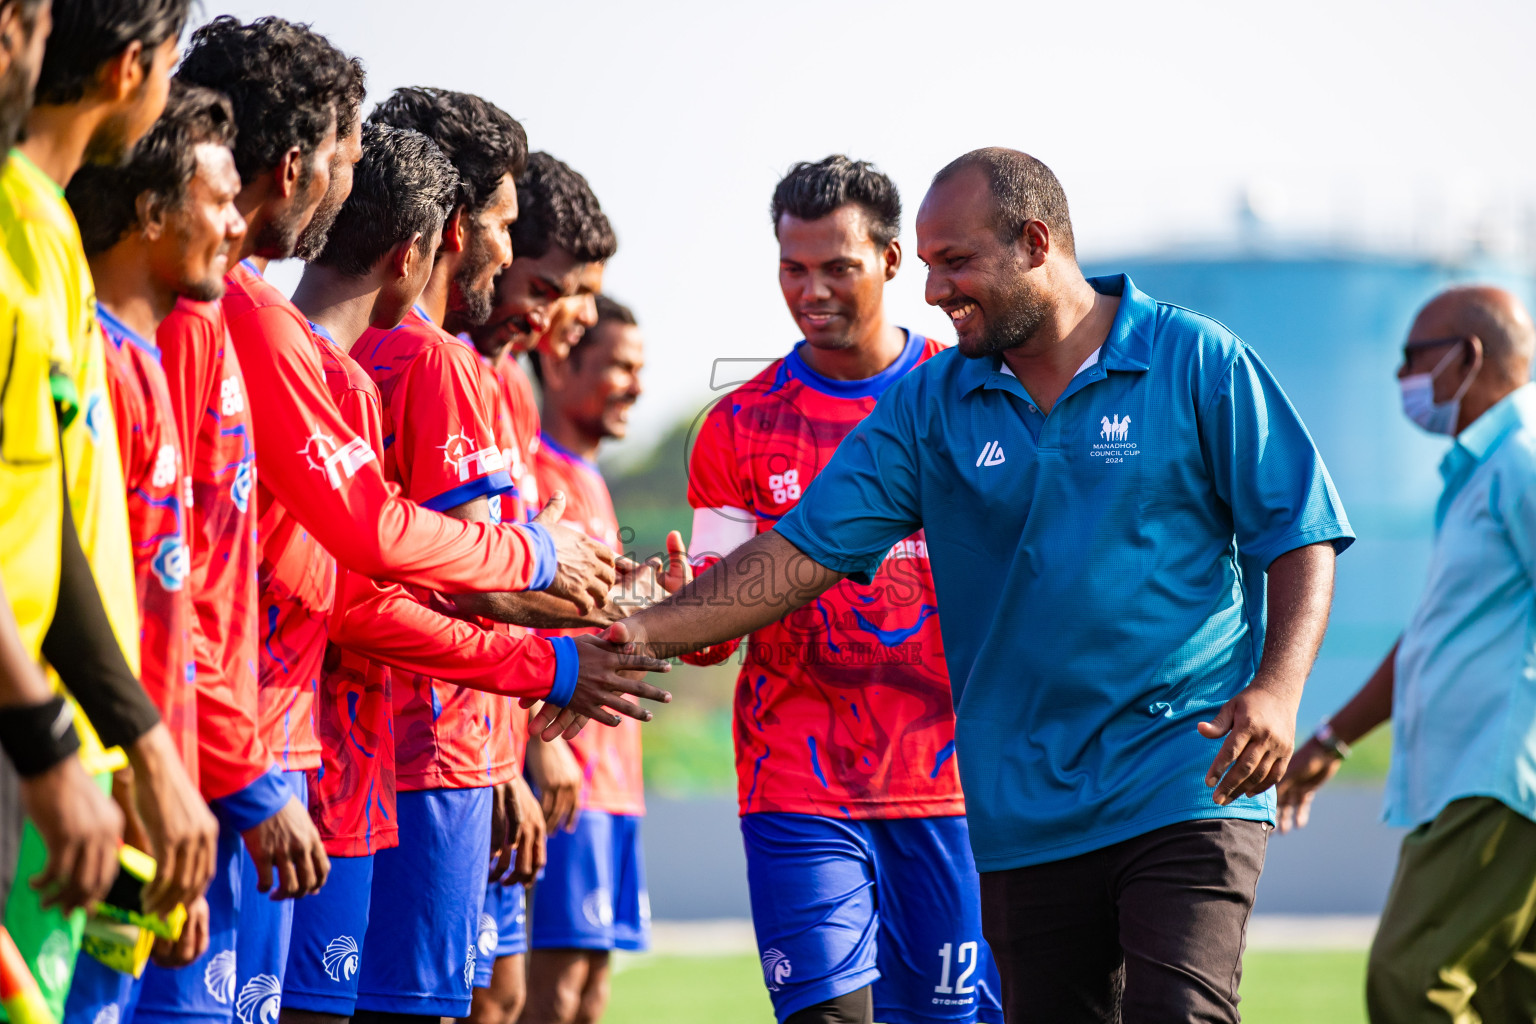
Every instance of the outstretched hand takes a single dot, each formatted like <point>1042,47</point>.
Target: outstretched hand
<point>609,672</point>
<point>585,573</point>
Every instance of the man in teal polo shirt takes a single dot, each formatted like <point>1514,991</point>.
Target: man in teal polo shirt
<point>1457,940</point>
<point>1111,489</point>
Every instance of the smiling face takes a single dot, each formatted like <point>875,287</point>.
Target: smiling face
<point>527,294</point>
<point>191,249</point>
<point>487,252</point>
<point>574,314</point>
<point>598,384</point>
<point>833,276</point>
<point>986,286</point>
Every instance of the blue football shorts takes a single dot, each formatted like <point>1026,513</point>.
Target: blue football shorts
<point>839,904</point>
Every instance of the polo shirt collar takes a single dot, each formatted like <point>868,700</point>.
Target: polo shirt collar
<point>1128,347</point>
<point>1487,432</point>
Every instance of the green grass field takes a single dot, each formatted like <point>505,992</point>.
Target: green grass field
<point>1278,988</point>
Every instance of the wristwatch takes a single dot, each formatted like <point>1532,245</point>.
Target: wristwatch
<point>1328,741</point>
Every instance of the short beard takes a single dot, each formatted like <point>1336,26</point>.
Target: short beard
<point>211,290</point>
<point>108,146</point>
<point>312,239</point>
<point>468,306</point>
<point>1010,327</point>
<point>841,343</point>
<point>279,236</point>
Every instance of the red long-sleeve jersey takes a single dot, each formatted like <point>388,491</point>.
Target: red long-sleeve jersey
<point>376,626</point>
<point>321,493</point>
<point>441,448</point>
<point>208,398</point>
<point>155,475</point>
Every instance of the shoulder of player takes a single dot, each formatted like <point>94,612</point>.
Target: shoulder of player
<point>770,380</point>
<point>412,339</point>
<point>1179,333</point>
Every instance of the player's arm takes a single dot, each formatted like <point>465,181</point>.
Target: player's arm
<point>84,651</point>
<point>339,493</point>
<point>236,771</point>
<point>532,609</point>
<point>758,583</point>
<point>383,622</point>
<point>80,827</point>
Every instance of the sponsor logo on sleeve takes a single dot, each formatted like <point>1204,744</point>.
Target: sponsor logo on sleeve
<point>339,463</point>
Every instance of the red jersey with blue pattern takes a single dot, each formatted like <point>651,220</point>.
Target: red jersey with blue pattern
<point>208,397</point>
<point>843,708</point>
<point>352,793</point>
<point>514,415</point>
<point>440,446</point>
<point>322,491</point>
<point>374,628</point>
<point>610,758</point>
<point>517,412</point>
<point>155,475</point>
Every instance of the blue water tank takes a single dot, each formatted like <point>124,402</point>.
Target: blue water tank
<point>1331,327</point>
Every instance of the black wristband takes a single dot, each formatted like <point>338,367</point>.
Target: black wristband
<point>38,736</point>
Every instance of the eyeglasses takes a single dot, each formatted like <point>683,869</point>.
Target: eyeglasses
<point>1427,343</point>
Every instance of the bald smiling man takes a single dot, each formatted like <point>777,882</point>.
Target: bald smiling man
<point>1457,942</point>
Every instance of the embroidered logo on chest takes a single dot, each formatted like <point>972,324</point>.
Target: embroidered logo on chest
<point>1114,444</point>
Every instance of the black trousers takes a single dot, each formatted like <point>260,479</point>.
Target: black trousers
<point>1147,931</point>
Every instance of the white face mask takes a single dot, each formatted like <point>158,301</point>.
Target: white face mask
<point>1419,403</point>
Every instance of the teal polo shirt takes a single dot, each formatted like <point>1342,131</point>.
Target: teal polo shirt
<point>1100,570</point>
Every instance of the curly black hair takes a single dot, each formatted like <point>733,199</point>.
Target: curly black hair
<point>105,199</point>
<point>287,84</point>
<point>556,207</point>
<point>88,33</point>
<point>483,141</point>
<point>810,191</point>
<point>402,185</point>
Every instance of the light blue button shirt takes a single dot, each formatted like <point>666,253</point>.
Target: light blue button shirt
<point>1464,699</point>
<point>1100,568</point>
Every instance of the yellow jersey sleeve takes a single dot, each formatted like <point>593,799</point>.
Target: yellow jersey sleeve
<point>31,498</point>
<point>98,498</point>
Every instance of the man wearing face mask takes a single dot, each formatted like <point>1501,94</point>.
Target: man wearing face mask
<point>1458,934</point>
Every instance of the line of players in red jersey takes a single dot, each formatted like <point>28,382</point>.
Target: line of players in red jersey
<point>350,596</point>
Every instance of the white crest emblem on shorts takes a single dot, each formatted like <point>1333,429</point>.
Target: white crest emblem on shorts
<point>108,1014</point>
<point>597,908</point>
<point>260,1000</point>
<point>341,958</point>
<point>776,969</point>
<point>469,966</point>
<point>219,976</point>
<point>488,934</point>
